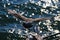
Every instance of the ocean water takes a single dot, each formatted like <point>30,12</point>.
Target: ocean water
<point>12,28</point>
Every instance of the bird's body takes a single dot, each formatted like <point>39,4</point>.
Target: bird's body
<point>27,24</point>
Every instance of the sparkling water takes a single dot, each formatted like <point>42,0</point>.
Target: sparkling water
<point>30,9</point>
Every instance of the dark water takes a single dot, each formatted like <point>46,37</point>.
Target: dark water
<point>10,26</point>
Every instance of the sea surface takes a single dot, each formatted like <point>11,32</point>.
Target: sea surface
<point>11,27</point>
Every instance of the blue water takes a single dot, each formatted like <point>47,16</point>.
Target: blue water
<point>8,22</point>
